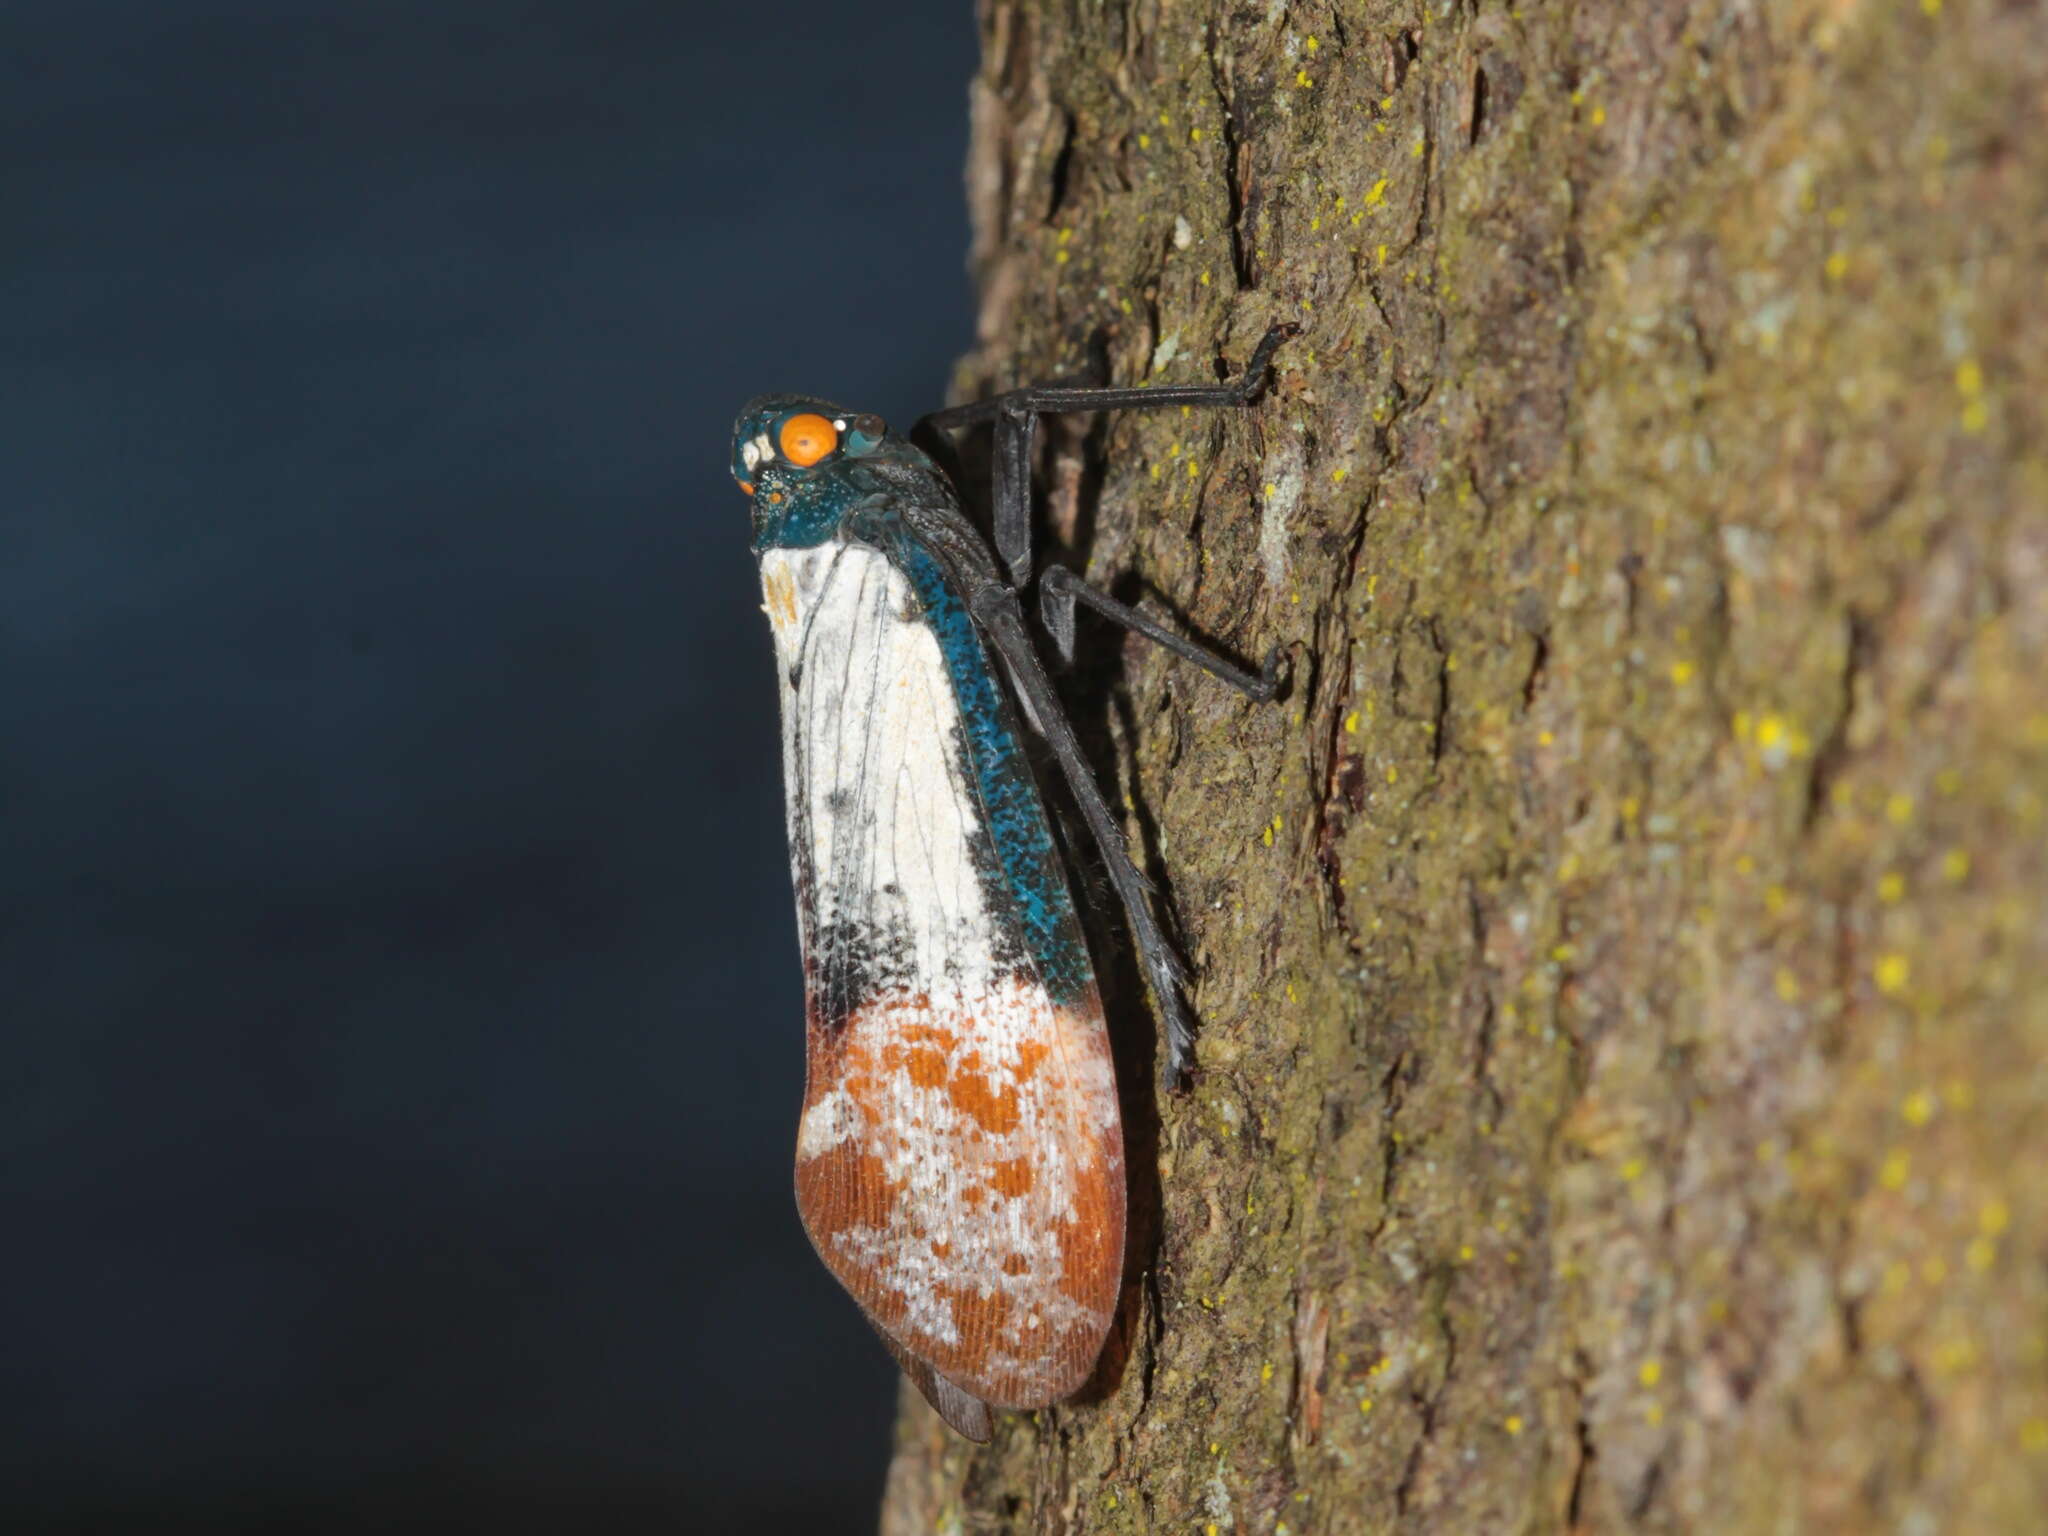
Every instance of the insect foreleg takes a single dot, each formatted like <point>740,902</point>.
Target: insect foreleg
<point>1015,415</point>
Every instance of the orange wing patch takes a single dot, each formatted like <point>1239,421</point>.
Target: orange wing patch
<point>960,1169</point>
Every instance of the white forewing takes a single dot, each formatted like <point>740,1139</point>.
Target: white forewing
<point>959,1161</point>
<point>880,801</point>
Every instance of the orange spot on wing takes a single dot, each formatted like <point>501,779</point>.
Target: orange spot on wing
<point>844,1186</point>
<point>973,1097</point>
<point>1014,1264</point>
<point>1012,1179</point>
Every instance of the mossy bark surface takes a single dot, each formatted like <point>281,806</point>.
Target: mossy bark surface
<point>1622,1098</point>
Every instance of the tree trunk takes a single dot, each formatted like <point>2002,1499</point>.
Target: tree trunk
<point>1622,1097</point>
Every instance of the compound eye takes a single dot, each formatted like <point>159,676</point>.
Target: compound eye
<point>807,438</point>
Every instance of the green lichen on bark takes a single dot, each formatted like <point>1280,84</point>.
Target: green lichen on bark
<point>1623,961</point>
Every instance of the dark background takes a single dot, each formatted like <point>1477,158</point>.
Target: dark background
<point>401,1005</point>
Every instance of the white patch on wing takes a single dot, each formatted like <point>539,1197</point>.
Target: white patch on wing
<point>879,791</point>
<point>828,1122</point>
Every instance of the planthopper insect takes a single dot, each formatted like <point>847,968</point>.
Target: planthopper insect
<point>959,1161</point>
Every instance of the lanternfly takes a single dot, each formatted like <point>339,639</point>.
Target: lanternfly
<point>960,1161</point>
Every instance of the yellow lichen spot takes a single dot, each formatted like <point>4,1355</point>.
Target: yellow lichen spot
<point>1891,888</point>
<point>1565,953</point>
<point>1837,267</point>
<point>1544,739</point>
<point>1464,1253</point>
<point>1681,673</point>
<point>1379,251</point>
<point>1378,194</point>
<point>1631,807</point>
<point>1512,1423</point>
<point>1745,865</point>
<point>1993,1217</point>
<point>1955,865</point>
<point>1365,1405</point>
<point>1266,1371</point>
<point>1898,808</point>
<point>1124,305</point>
<point>1061,258</point>
<point>1632,1170</point>
<point>1775,899</point>
<point>1969,378</point>
<point>1144,141</point>
<point>1891,973</point>
<point>1651,1372</point>
<point>1165,121</point>
<point>1981,1254</point>
<point>1301,79</point>
<point>1896,1169</point>
<point>1066,234</point>
<point>1393,773</point>
<point>1599,116</point>
<point>1193,467</point>
<point>1786,985</point>
<point>1976,417</point>
<point>1770,732</point>
<point>1931,7</point>
<point>1155,471</point>
<point>1337,476</point>
<point>1918,1107</point>
<point>1351,723</point>
<point>1204,278</point>
<point>1310,44</point>
<point>1415,150</point>
<point>1194,135</point>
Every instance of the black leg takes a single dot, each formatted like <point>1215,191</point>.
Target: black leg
<point>1016,414</point>
<point>1059,589</point>
<point>1012,512</point>
<point>1051,399</point>
<point>1001,618</point>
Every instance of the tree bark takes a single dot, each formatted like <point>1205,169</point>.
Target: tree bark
<point>1622,1099</point>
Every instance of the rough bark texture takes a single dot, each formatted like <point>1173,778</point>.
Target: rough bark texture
<point>1623,1096</point>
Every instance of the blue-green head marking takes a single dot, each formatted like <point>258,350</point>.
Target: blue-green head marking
<point>807,463</point>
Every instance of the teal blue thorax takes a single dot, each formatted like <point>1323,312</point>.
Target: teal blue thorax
<point>849,491</point>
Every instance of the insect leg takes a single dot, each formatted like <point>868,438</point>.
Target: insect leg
<point>1059,589</point>
<point>1015,416</point>
<point>1001,618</point>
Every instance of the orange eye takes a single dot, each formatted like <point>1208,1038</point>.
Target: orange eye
<point>807,438</point>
